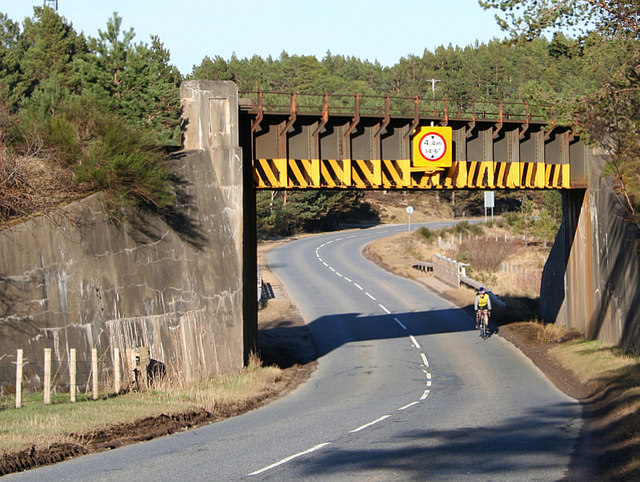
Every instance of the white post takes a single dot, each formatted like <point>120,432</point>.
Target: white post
<point>47,376</point>
<point>116,370</point>
<point>19,378</point>
<point>94,371</point>
<point>72,374</point>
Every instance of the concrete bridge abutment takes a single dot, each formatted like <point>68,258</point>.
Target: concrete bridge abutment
<point>174,284</point>
<point>591,281</point>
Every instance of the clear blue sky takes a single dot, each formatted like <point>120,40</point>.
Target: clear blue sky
<point>367,29</point>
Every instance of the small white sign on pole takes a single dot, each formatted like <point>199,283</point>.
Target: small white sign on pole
<point>489,202</point>
<point>409,211</point>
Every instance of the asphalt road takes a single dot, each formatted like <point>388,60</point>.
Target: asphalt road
<point>404,390</point>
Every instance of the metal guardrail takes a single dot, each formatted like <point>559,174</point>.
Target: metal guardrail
<point>303,103</point>
<point>423,266</point>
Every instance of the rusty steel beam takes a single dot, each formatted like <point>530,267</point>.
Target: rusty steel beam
<point>349,150</point>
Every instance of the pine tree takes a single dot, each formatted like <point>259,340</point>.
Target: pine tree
<point>135,81</point>
<point>47,47</point>
<point>9,60</point>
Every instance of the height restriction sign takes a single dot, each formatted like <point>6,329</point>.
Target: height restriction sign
<point>432,147</point>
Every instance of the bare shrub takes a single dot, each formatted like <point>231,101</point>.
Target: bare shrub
<point>31,182</point>
<point>485,253</point>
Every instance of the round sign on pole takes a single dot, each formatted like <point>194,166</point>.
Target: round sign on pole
<point>409,211</point>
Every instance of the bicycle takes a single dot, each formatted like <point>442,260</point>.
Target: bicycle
<point>482,319</point>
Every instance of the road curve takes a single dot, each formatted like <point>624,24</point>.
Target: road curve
<point>404,389</point>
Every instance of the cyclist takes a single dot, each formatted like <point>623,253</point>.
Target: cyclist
<point>482,306</point>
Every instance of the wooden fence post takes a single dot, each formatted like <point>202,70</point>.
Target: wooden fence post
<point>72,374</point>
<point>116,370</point>
<point>131,366</point>
<point>145,359</point>
<point>47,376</point>
<point>19,378</point>
<point>94,370</point>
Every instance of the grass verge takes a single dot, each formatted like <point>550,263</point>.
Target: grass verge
<point>613,409</point>
<point>63,422</point>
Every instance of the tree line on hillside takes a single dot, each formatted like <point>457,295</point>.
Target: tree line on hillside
<point>105,109</point>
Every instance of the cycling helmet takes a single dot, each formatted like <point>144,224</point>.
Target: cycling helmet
<point>481,290</point>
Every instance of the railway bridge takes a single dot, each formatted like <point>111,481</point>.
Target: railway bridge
<point>300,141</point>
<point>303,141</point>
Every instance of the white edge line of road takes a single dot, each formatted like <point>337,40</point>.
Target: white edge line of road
<point>289,459</point>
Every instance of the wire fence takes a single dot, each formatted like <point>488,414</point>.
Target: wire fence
<point>70,377</point>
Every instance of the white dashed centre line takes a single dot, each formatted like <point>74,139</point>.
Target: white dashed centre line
<point>400,323</point>
<point>370,424</point>
<point>408,405</point>
<point>289,459</point>
<point>415,343</point>
<point>424,359</point>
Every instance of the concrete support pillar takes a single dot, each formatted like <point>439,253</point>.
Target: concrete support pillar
<point>212,123</point>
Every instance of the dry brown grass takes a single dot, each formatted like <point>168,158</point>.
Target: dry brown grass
<point>614,407</point>
<point>509,268</point>
<point>40,425</point>
<point>31,183</point>
<point>391,206</point>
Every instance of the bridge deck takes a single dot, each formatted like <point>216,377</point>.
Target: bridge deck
<point>331,145</point>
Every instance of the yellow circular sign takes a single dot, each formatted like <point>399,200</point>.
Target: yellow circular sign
<point>432,147</point>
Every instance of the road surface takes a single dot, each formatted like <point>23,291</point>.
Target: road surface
<point>404,390</point>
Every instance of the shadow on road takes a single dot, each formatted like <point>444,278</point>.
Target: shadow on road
<point>496,451</point>
<point>290,342</point>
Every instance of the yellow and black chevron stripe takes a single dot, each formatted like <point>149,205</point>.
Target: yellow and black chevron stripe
<point>399,174</point>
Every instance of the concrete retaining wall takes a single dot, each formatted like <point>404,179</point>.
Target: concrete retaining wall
<point>591,280</point>
<point>72,279</point>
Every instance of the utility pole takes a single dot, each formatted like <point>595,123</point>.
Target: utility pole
<point>51,3</point>
<point>433,85</point>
